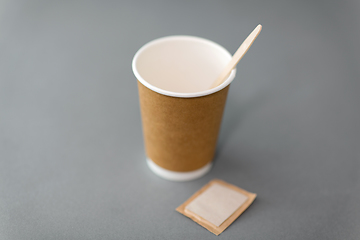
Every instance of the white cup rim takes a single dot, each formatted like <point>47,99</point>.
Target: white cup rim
<point>177,94</point>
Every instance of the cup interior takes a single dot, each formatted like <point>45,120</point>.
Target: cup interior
<point>180,64</point>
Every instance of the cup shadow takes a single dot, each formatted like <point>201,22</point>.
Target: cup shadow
<point>233,116</point>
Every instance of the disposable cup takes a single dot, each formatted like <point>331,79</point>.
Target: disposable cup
<point>181,114</point>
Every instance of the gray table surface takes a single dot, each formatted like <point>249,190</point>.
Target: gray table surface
<point>72,161</point>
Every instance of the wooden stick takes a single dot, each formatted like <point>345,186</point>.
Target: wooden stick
<point>244,47</point>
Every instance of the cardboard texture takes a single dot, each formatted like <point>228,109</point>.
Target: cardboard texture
<point>210,207</point>
<point>181,133</point>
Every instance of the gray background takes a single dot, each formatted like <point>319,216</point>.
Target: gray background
<point>72,161</point>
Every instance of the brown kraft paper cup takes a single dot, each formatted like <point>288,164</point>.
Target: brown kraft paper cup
<point>180,128</point>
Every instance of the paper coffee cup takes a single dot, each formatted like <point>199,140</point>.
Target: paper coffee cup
<point>181,115</point>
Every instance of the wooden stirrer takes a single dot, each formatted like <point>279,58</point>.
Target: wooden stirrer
<point>244,47</point>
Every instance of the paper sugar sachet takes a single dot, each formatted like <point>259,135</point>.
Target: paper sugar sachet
<point>216,205</point>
